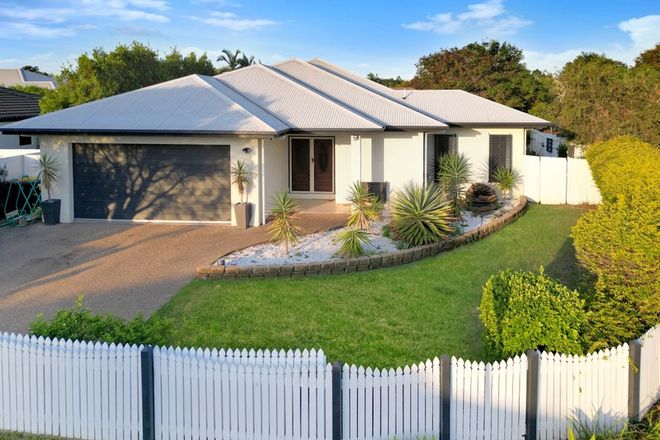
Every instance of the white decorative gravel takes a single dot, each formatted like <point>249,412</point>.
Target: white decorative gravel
<point>323,246</point>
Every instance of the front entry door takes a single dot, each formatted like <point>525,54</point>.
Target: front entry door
<point>312,165</point>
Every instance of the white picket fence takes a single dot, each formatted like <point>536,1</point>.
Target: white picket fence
<point>69,388</point>
<point>94,391</point>
<point>559,180</point>
<point>591,389</point>
<point>264,395</point>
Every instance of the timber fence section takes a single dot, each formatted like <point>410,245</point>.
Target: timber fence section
<point>99,391</point>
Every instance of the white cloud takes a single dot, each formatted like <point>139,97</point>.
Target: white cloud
<point>489,17</point>
<point>231,21</point>
<point>18,30</point>
<point>644,31</point>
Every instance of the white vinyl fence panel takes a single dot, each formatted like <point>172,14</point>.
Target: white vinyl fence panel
<point>592,389</point>
<point>649,370</point>
<point>558,180</point>
<point>19,162</point>
<point>70,389</point>
<point>383,404</point>
<point>488,401</point>
<point>201,395</point>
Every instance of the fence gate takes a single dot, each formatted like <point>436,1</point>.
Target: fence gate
<point>559,180</point>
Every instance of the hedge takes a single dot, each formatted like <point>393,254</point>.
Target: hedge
<point>619,241</point>
<point>526,310</point>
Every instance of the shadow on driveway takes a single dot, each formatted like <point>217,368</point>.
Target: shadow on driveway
<point>122,268</point>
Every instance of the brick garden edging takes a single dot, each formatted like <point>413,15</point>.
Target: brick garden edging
<point>365,263</point>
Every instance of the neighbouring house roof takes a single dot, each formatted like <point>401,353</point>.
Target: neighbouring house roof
<point>292,96</point>
<point>22,77</point>
<point>15,105</point>
<point>466,109</point>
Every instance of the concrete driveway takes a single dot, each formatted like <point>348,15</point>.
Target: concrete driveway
<point>119,267</point>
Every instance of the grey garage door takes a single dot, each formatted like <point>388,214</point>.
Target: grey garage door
<point>152,182</point>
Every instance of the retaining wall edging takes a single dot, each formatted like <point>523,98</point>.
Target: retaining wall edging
<point>364,263</point>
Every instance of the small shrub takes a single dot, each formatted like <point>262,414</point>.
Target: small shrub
<point>241,176</point>
<point>562,150</point>
<point>421,215</point>
<point>3,174</point>
<point>352,242</point>
<point>507,179</point>
<point>385,231</point>
<point>365,207</point>
<point>525,310</point>
<point>454,172</point>
<point>282,228</point>
<point>79,323</point>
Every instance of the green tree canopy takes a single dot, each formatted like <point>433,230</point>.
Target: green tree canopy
<point>599,98</point>
<point>128,67</point>
<point>397,82</point>
<point>490,69</point>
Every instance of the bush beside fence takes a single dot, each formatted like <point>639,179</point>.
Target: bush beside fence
<point>93,391</point>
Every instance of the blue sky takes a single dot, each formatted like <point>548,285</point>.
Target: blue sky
<point>386,37</point>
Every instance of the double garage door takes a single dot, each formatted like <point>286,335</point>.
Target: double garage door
<point>152,182</point>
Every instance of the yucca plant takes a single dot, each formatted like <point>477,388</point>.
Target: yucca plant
<point>241,177</point>
<point>49,171</point>
<point>352,242</point>
<point>421,214</point>
<point>365,207</point>
<point>506,179</point>
<point>454,172</point>
<point>282,228</point>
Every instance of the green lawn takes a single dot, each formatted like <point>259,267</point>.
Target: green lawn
<point>387,317</point>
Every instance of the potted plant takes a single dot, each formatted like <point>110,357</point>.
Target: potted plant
<point>49,172</point>
<point>242,178</point>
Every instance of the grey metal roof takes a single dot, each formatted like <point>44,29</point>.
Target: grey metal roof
<point>15,105</point>
<point>386,111</point>
<point>296,105</point>
<point>462,108</point>
<point>350,76</point>
<point>189,104</point>
<point>22,77</point>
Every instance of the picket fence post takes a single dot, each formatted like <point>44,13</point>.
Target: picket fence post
<point>337,427</point>
<point>148,414</point>
<point>531,417</point>
<point>634,376</point>
<point>445,396</point>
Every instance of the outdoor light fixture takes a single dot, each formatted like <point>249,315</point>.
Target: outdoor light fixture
<point>247,150</point>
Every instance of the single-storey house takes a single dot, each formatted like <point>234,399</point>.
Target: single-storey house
<point>164,152</point>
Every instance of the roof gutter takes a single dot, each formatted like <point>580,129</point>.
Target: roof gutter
<point>64,131</point>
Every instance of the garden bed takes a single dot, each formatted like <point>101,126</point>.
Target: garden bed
<point>315,253</point>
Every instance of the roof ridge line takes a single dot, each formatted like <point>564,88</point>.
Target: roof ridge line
<point>228,99</point>
<point>312,92</point>
<point>373,90</point>
<point>326,96</point>
<point>229,86</point>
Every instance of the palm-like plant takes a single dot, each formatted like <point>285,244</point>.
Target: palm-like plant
<point>232,59</point>
<point>506,179</point>
<point>282,228</point>
<point>365,207</point>
<point>241,176</point>
<point>49,171</point>
<point>245,61</point>
<point>454,172</point>
<point>421,214</point>
<point>352,242</point>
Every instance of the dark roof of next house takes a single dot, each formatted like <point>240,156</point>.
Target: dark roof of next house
<point>16,106</point>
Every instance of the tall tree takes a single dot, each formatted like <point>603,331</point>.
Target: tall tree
<point>490,69</point>
<point>599,98</point>
<point>649,58</point>
<point>127,67</point>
